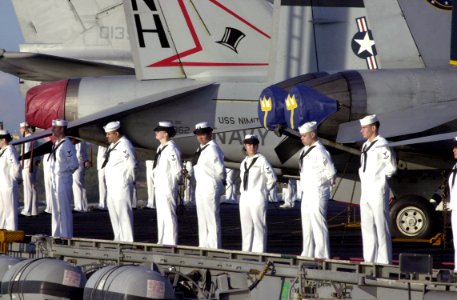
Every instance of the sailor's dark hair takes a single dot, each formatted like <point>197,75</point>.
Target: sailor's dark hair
<point>7,137</point>
<point>252,140</point>
<point>377,125</point>
<point>170,130</point>
<point>206,130</point>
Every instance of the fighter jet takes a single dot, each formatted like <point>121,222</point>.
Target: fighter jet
<point>408,83</point>
<point>251,66</point>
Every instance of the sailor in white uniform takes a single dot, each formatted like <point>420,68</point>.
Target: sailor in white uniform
<point>189,184</point>
<point>29,173</point>
<point>101,177</point>
<point>231,188</point>
<point>10,175</point>
<point>150,184</point>
<point>79,176</point>
<point>377,164</point>
<point>257,179</point>
<point>453,202</point>
<point>167,169</point>
<point>47,182</point>
<point>273,195</point>
<point>209,172</point>
<point>317,174</point>
<point>63,163</point>
<point>289,194</point>
<point>119,165</point>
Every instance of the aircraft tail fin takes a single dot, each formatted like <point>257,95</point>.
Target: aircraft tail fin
<point>370,34</point>
<point>320,37</point>
<point>418,17</point>
<point>81,29</point>
<point>177,38</point>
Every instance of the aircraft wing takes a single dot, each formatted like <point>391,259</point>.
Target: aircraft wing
<point>124,109</point>
<point>94,122</point>
<point>425,139</point>
<point>33,137</point>
<point>43,67</point>
<point>402,122</point>
<point>39,151</point>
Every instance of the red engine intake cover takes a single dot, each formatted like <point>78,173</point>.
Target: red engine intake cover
<point>45,102</point>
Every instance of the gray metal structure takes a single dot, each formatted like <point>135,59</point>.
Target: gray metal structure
<point>124,281</point>
<point>198,273</point>
<point>43,278</point>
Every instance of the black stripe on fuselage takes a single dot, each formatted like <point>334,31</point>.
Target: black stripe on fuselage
<point>323,3</point>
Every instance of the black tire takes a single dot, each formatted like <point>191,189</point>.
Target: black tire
<point>413,217</point>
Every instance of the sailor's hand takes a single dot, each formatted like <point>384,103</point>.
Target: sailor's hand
<point>87,164</point>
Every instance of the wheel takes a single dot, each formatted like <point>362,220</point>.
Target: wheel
<point>412,217</point>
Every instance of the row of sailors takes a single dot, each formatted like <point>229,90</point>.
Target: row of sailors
<point>29,175</point>
<point>290,192</point>
<point>30,167</point>
<point>317,175</point>
<point>64,171</point>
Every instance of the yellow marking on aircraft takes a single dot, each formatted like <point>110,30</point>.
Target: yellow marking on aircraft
<point>291,104</point>
<point>265,106</point>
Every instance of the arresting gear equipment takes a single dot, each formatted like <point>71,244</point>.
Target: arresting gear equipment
<point>436,240</point>
<point>7,237</point>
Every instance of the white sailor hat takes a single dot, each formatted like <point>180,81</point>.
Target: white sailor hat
<point>112,126</point>
<point>166,126</point>
<point>308,127</point>
<point>23,124</point>
<point>59,122</point>
<point>251,139</point>
<point>203,127</point>
<point>371,119</point>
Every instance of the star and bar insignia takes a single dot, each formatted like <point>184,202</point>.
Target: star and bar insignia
<point>363,44</point>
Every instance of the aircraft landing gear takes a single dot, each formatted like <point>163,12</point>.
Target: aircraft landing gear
<point>413,217</point>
